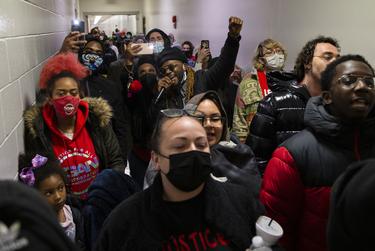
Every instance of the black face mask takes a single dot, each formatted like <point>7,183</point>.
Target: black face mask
<point>188,53</point>
<point>189,170</point>
<point>148,81</point>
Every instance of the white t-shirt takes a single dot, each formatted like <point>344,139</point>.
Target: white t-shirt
<point>69,226</point>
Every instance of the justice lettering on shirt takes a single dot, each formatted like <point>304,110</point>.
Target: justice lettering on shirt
<point>196,241</point>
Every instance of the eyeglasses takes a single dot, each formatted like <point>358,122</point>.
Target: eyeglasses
<point>269,52</point>
<point>171,67</point>
<point>214,120</point>
<point>176,113</point>
<point>351,81</point>
<point>328,56</point>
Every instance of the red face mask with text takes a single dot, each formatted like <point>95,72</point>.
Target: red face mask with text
<point>66,106</point>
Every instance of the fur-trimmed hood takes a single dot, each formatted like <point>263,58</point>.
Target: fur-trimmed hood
<point>97,107</point>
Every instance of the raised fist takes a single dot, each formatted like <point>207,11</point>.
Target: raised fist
<point>235,26</point>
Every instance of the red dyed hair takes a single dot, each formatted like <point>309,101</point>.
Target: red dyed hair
<point>63,62</point>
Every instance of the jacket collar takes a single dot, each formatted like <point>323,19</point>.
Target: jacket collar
<point>331,128</point>
<point>49,116</point>
<point>98,107</point>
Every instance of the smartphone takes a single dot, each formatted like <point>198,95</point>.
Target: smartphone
<point>147,48</point>
<point>78,26</point>
<point>205,44</point>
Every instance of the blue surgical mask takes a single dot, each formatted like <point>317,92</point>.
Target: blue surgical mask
<point>158,47</point>
<point>92,61</point>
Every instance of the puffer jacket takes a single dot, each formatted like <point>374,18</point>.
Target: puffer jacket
<point>230,158</point>
<point>37,135</point>
<point>298,178</point>
<point>250,93</point>
<point>279,116</point>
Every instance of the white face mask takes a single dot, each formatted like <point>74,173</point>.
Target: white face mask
<point>276,61</point>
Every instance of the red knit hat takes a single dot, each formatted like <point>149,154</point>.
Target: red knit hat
<point>63,62</point>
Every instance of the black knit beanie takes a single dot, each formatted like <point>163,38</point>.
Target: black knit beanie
<point>28,223</point>
<point>172,53</point>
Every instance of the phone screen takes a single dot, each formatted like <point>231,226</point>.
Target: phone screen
<point>80,26</point>
<point>147,48</point>
<point>205,44</point>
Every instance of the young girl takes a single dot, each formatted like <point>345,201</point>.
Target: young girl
<point>49,179</point>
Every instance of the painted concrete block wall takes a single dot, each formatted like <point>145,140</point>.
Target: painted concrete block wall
<point>30,32</point>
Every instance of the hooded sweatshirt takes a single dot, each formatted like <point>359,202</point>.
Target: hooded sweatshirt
<point>167,41</point>
<point>77,156</point>
<point>231,160</point>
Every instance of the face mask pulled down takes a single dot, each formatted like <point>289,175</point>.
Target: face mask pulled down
<point>189,170</point>
<point>276,61</point>
<point>66,106</point>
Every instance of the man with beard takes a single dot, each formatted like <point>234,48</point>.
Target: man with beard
<point>280,114</point>
<point>179,82</point>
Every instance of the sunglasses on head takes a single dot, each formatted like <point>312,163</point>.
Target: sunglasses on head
<point>176,113</point>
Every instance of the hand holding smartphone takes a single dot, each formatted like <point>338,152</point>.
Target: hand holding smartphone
<point>146,48</point>
<point>205,44</point>
<point>80,27</point>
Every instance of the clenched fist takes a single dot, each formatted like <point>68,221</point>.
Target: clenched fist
<point>235,26</point>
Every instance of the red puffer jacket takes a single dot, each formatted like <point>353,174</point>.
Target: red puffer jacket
<point>297,182</point>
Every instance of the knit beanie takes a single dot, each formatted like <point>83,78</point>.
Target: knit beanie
<point>146,59</point>
<point>172,53</point>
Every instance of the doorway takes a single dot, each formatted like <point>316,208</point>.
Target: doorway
<point>110,22</point>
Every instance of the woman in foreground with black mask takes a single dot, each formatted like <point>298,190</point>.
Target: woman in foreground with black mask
<point>185,208</point>
<point>232,160</point>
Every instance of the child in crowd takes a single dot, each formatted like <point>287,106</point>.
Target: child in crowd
<point>49,179</point>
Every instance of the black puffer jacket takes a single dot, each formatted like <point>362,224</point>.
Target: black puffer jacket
<point>37,135</point>
<point>279,116</point>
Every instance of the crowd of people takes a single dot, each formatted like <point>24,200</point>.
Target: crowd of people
<point>176,149</point>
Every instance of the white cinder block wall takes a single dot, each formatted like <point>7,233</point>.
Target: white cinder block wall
<point>30,32</point>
